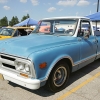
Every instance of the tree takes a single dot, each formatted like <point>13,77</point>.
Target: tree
<point>4,21</point>
<point>13,21</point>
<point>25,17</point>
<point>16,20</point>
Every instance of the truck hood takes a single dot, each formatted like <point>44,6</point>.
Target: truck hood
<point>25,45</point>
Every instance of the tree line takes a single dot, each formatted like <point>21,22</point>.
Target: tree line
<point>4,21</point>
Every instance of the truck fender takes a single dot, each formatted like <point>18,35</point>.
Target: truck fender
<point>56,61</point>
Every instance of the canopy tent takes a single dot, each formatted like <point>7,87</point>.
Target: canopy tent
<point>94,17</point>
<point>27,22</point>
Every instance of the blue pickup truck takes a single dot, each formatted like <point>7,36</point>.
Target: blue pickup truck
<point>57,47</point>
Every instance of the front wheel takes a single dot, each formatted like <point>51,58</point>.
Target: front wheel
<point>58,77</point>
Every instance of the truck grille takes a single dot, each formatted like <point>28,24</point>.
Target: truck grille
<point>9,66</point>
<point>7,61</point>
<point>9,58</point>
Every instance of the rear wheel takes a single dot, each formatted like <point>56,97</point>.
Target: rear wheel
<point>58,77</point>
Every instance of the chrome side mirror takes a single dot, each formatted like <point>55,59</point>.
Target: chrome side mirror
<point>86,34</point>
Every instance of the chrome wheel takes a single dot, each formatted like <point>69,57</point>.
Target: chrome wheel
<point>60,76</point>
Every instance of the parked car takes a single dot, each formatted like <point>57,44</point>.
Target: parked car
<point>48,59</point>
<point>9,32</point>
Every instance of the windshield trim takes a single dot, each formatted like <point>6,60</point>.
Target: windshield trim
<point>36,30</point>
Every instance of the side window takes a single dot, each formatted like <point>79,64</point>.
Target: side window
<point>84,28</point>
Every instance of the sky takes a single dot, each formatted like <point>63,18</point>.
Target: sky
<point>39,9</point>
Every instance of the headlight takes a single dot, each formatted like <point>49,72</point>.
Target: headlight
<point>27,68</point>
<point>24,68</point>
<point>20,66</point>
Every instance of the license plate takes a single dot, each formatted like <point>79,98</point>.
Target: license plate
<point>1,77</point>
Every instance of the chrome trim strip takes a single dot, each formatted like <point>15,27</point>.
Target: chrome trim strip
<point>6,61</point>
<point>14,56</point>
<point>84,60</point>
<point>68,58</point>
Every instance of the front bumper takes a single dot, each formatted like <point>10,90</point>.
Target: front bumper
<point>25,82</point>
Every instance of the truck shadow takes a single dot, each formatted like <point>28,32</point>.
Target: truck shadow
<point>74,77</point>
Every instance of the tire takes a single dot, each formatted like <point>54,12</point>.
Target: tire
<point>59,77</point>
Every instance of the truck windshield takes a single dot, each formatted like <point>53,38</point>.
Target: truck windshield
<point>58,27</point>
<point>6,31</point>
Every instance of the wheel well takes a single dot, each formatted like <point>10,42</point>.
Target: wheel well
<point>67,61</point>
<point>62,68</point>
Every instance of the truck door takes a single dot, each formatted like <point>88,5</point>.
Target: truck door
<point>88,45</point>
<point>97,33</point>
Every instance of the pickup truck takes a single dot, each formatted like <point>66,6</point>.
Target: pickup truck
<point>48,58</point>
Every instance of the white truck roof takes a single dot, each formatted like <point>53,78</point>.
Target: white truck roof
<point>66,17</point>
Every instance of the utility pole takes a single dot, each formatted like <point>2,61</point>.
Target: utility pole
<point>97,5</point>
<point>97,11</point>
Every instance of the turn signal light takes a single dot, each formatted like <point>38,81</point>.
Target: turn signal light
<point>25,75</point>
<point>43,65</point>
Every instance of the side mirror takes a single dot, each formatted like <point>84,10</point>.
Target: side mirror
<point>86,34</point>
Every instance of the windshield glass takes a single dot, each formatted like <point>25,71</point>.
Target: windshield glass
<point>59,27</point>
<point>6,31</point>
